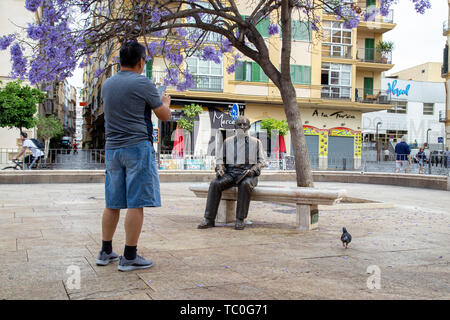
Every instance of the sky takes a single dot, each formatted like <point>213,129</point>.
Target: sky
<point>417,38</point>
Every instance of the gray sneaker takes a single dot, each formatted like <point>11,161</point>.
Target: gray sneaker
<point>138,263</point>
<point>104,259</point>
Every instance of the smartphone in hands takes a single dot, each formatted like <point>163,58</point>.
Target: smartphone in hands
<point>161,90</point>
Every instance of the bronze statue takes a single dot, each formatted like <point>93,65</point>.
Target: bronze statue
<point>238,163</point>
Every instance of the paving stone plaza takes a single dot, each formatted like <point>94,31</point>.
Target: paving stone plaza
<point>49,230</point>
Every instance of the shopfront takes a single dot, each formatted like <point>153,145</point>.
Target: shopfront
<point>197,147</point>
<point>333,136</point>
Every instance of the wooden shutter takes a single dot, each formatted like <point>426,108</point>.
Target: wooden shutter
<point>239,73</point>
<point>149,68</point>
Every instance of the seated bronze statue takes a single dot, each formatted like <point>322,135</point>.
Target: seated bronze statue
<point>239,161</point>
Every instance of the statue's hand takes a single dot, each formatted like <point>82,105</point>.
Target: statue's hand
<point>255,170</point>
<point>220,170</point>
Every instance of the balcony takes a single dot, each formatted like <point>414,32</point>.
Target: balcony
<point>373,15</point>
<point>331,50</point>
<point>374,96</point>
<point>201,82</point>
<point>371,55</point>
<point>444,69</point>
<point>336,92</point>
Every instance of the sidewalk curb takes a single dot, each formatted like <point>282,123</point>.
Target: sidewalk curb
<point>98,176</point>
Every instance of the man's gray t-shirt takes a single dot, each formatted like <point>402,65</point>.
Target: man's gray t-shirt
<point>128,98</point>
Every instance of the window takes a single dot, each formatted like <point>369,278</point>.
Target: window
<point>250,71</point>
<point>336,80</point>
<point>399,107</point>
<point>207,75</point>
<point>337,40</point>
<point>262,26</point>
<point>200,67</point>
<point>300,74</point>
<point>428,109</point>
<point>301,30</point>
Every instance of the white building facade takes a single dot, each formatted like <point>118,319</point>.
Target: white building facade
<point>417,114</point>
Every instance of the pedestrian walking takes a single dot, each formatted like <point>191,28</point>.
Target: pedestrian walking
<point>403,156</point>
<point>421,159</point>
<point>131,180</point>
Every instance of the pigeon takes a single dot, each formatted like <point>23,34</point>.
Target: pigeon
<point>346,238</point>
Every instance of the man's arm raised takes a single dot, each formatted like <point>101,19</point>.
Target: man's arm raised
<point>163,112</point>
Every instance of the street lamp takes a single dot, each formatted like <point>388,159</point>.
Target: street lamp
<point>428,146</point>
<point>378,151</point>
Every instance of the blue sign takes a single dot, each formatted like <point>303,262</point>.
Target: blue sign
<point>396,91</point>
<point>235,112</point>
<point>440,139</point>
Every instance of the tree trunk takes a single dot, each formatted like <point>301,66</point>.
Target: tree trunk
<point>301,156</point>
<point>47,144</point>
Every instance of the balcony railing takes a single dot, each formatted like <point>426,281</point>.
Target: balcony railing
<point>201,82</point>
<point>371,55</point>
<point>444,68</point>
<point>336,92</point>
<point>375,96</point>
<point>336,51</point>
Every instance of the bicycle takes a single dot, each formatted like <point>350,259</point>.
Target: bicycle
<point>17,166</point>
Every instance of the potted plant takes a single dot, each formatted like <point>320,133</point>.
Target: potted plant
<point>384,48</point>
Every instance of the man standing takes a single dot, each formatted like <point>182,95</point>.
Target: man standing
<point>132,180</point>
<point>403,158</point>
<point>36,153</point>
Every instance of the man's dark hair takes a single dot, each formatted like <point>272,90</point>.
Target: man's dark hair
<point>24,134</point>
<point>130,54</point>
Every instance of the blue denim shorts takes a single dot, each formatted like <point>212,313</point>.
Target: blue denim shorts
<point>132,177</point>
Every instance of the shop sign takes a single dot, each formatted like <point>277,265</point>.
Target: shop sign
<point>220,120</point>
<point>337,115</point>
<point>396,91</point>
<point>235,112</point>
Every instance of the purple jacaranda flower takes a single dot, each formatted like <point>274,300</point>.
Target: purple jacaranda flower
<point>273,29</point>
<point>6,41</point>
<point>99,72</point>
<point>210,54</point>
<point>35,32</point>
<point>33,5</point>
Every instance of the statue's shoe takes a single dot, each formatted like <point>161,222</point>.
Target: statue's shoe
<point>240,225</point>
<point>206,223</point>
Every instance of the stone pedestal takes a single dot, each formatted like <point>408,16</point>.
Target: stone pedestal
<point>226,212</point>
<point>307,217</point>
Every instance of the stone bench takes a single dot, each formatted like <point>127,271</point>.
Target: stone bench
<point>307,201</point>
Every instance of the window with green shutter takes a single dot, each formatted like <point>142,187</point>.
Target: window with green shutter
<point>258,74</point>
<point>300,74</point>
<point>262,26</point>
<point>148,68</point>
<point>249,71</point>
<point>301,30</point>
